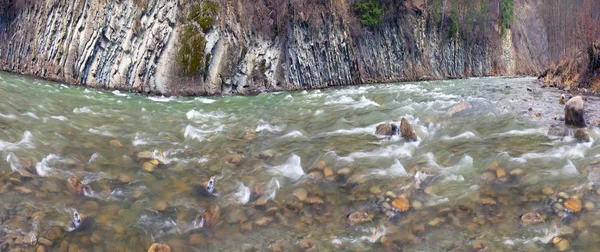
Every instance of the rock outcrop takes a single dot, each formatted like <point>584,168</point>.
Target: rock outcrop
<point>574,112</point>
<point>139,46</point>
<point>386,129</point>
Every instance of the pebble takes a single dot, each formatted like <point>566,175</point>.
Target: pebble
<point>417,205</point>
<point>390,194</point>
<point>547,191</point>
<point>160,205</point>
<point>588,205</point>
<point>45,242</point>
<point>436,222</point>
<point>327,172</point>
<point>115,143</point>
<point>375,190</point>
<point>573,204</point>
<point>488,176</point>
<point>301,194</point>
<point>346,171</point>
<point>320,165</point>
<point>125,178</point>
<point>401,204</point>
<point>532,218</point>
<point>431,190</point>
<point>561,244</point>
<point>148,167</point>
<point>41,249</point>
<point>516,172</point>
<point>500,173</point>
<point>563,195</point>
<point>145,155</point>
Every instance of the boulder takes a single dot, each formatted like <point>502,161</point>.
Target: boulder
<point>386,129</point>
<point>581,135</point>
<point>574,112</point>
<point>408,133</point>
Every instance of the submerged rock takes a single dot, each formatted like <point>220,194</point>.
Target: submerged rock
<point>401,204</point>
<point>561,243</point>
<point>408,133</point>
<point>581,135</point>
<point>458,108</point>
<point>574,112</point>
<point>532,218</point>
<point>573,205</point>
<point>209,218</point>
<point>76,187</point>
<point>159,247</point>
<point>358,217</point>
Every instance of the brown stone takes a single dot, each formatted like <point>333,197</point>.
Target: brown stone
<point>408,133</point>
<point>115,143</point>
<point>573,204</point>
<point>76,186</point>
<point>532,218</point>
<point>358,218</point>
<point>401,204</point>
<point>320,165</point>
<point>384,129</point>
<point>45,242</point>
<point>233,159</point>
<point>327,172</point>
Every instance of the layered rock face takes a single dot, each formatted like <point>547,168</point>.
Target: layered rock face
<point>135,45</point>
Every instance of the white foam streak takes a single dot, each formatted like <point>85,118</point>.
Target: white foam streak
<point>44,168</point>
<point>464,135</point>
<point>199,134</point>
<point>292,168</point>
<point>26,142</point>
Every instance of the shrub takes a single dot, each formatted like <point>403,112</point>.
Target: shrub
<point>204,14</point>
<point>507,14</point>
<point>369,12</point>
<point>453,24</point>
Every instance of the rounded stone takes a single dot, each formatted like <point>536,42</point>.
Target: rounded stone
<point>516,172</point>
<point>417,205</point>
<point>573,204</point>
<point>588,205</point>
<point>158,247</point>
<point>301,194</point>
<point>547,190</point>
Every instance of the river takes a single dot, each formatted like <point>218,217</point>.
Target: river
<point>290,168</point>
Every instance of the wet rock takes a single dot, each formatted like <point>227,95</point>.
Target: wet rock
<point>307,243</point>
<point>480,244</point>
<point>386,129</point>
<point>206,187</point>
<point>115,143</point>
<point>76,187</point>
<point>401,204</point>
<point>358,217</point>
<point>148,166</point>
<point>246,227</point>
<point>209,218</point>
<point>547,190</point>
<point>301,194</point>
<point>124,178</point>
<point>408,133</point>
<point>390,195</point>
<point>263,221</point>
<point>327,172</point>
<point>532,218</point>
<point>314,200</point>
<point>417,205</point>
<point>581,135</point>
<point>500,173</point>
<point>45,242</point>
<point>344,171</point>
<point>160,205</point>
<point>573,205</point>
<point>41,249</point>
<point>145,155</point>
<point>588,205</point>
<point>375,190</point>
<point>320,165</point>
<point>563,195</point>
<point>562,101</point>
<point>158,247</point>
<point>574,112</point>
<point>516,172</point>
<point>436,222</point>
<point>561,244</point>
<point>458,108</point>
<point>261,201</point>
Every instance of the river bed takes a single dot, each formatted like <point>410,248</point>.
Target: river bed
<point>290,168</point>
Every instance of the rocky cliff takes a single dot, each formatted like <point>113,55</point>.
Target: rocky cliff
<point>137,45</point>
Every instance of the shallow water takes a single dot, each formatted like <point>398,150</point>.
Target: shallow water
<point>261,151</point>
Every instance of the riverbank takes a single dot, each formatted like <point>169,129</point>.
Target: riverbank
<point>579,74</point>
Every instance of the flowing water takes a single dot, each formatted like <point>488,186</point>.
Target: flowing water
<point>289,168</point>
